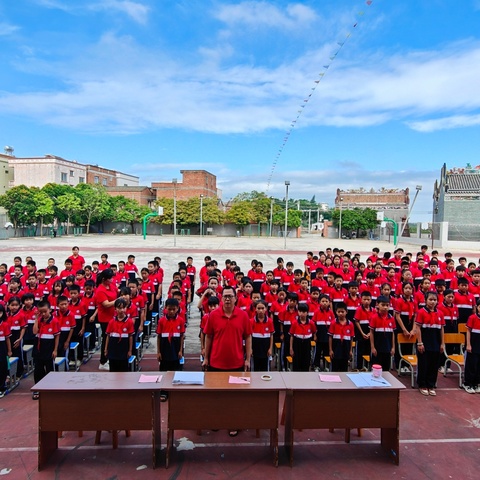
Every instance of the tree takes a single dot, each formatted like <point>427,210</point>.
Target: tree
<point>94,203</point>
<point>294,219</point>
<point>44,208</point>
<point>19,202</point>
<point>68,205</point>
<point>356,219</point>
<point>127,210</point>
<point>241,213</point>
<point>55,191</point>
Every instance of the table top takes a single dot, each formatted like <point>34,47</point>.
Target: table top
<point>109,381</point>
<point>311,381</point>
<point>219,381</point>
<point>88,381</point>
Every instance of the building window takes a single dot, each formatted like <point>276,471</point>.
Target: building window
<point>72,173</point>
<point>81,179</point>
<point>64,177</point>
<point>95,179</point>
<point>104,182</point>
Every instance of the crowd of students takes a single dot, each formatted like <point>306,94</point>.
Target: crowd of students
<point>334,300</point>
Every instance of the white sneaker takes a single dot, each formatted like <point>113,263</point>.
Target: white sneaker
<point>441,370</point>
<point>317,369</point>
<point>79,363</point>
<point>105,366</point>
<point>469,389</point>
<point>477,389</point>
<point>449,370</point>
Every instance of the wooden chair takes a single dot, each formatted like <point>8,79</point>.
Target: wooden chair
<point>456,359</point>
<point>410,360</point>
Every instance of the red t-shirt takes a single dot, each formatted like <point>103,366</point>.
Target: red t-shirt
<point>102,294</point>
<point>228,335</point>
<point>77,263</point>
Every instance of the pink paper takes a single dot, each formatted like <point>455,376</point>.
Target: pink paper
<point>150,378</point>
<point>239,380</point>
<point>330,378</point>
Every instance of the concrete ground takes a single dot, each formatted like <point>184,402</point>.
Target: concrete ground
<point>439,437</point>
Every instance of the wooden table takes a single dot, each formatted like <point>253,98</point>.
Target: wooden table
<point>220,405</point>
<point>116,402</point>
<point>310,403</point>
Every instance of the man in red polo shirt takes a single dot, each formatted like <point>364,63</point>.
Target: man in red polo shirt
<point>226,330</point>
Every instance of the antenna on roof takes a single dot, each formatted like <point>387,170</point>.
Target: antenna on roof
<point>8,150</point>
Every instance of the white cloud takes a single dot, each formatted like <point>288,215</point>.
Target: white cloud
<point>447,123</point>
<point>118,86</point>
<point>7,29</point>
<point>135,10</point>
<point>265,14</point>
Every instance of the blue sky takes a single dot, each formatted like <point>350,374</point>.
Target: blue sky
<point>151,87</point>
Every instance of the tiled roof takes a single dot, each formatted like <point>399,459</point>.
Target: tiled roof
<point>463,183</point>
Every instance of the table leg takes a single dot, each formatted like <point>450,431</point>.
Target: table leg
<point>274,445</point>
<point>156,430</point>
<point>47,444</point>
<point>170,432</point>
<point>390,442</point>
<point>287,415</point>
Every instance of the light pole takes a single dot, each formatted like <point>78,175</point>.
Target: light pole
<point>340,200</point>
<point>287,183</point>
<point>418,188</point>
<point>201,215</point>
<point>174,182</point>
<point>271,215</point>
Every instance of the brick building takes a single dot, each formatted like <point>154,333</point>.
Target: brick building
<point>194,183</point>
<point>143,195</point>
<point>394,202</point>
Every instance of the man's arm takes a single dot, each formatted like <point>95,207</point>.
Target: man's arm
<point>208,347</point>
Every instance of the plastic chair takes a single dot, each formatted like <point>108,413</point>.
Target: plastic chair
<point>456,359</point>
<point>410,360</point>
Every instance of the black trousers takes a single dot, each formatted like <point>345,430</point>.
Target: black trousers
<point>339,364</point>
<point>260,364</point>
<point>427,369</point>
<point>42,367</point>
<point>103,358</point>
<point>118,365</point>
<point>383,359</point>
<point>472,369</point>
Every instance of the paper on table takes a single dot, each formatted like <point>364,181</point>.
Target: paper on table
<point>150,378</point>
<point>239,380</point>
<point>366,379</point>
<point>188,378</point>
<point>330,378</point>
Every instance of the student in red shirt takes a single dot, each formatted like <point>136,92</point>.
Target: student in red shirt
<point>170,334</point>
<point>18,327</point>
<point>79,311</point>
<point>5,349</point>
<point>105,296</point>
<point>130,267</point>
<point>278,306</point>
<point>78,262</point>
<point>382,341</point>
<point>430,344</point>
<point>302,333</point>
<point>322,318</point>
<point>104,264</point>
<point>363,315</point>
<point>279,270</point>
<point>371,287</point>
<point>340,342</point>
<point>212,303</point>
<point>472,361</point>
<point>47,330</point>
<point>66,321</point>
<point>262,338</point>
<point>464,301</point>
<point>119,340</point>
